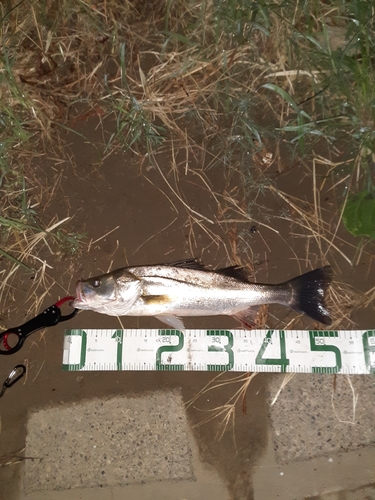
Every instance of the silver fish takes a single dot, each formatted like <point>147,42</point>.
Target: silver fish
<point>187,288</point>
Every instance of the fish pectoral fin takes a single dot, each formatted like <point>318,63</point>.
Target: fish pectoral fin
<point>172,321</point>
<point>249,318</point>
<point>134,292</point>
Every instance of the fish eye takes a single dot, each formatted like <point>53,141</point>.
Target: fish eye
<point>96,283</point>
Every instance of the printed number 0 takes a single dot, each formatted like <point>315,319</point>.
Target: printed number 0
<point>82,361</point>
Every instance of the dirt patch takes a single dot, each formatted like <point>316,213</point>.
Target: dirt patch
<point>134,213</point>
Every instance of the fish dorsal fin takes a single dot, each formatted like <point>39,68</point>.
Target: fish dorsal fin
<point>237,272</point>
<point>189,264</point>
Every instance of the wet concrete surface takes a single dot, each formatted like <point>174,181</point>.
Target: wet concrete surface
<point>154,226</point>
<point>114,441</point>
<point>335,476</point>
<point>334,415</point>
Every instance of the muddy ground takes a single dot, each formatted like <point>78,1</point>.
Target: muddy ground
<point>152,226</point>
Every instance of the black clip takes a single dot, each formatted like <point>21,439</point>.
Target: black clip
<point>12,340</point>
<point>15,375</point>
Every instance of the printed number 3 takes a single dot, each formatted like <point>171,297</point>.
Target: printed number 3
<point>227,348</point>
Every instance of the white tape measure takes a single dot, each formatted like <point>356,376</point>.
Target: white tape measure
<point>299,351</point>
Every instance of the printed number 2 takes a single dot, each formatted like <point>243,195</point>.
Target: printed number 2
<point>169,348</point>
<point>283,362</point>
<point>314,336</point>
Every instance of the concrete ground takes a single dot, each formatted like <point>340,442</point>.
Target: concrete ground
<point>321,442</point>
<point>114,449</point>
<point>142,447</point>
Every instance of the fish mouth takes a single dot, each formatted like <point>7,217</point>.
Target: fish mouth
<point>80,297</point>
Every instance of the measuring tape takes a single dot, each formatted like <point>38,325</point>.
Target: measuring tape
<point>295,351</point>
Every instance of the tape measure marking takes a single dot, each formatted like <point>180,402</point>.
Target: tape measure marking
<point>298,351</point>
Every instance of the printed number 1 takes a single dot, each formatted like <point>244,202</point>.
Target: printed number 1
<point>119,336</point>
<point>283,361</point>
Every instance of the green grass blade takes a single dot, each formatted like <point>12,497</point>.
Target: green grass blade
<point>16,224</point>
<point>15,261</point>
<point>283,94</point>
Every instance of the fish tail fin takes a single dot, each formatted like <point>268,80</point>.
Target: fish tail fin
<point>309,293</point>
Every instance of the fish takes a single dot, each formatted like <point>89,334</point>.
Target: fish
<point>170,292</point>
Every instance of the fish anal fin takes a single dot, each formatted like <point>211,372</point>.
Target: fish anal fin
<point>237,272</point>
<point>249,318</point>
<point>171,321</point>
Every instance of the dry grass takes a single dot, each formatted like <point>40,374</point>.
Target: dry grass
<point>14,458</point>
<point>75,52</point>
<point>224,413</point>
<point>351,420</point>
<point>173,79</point>
<point>64,62</point>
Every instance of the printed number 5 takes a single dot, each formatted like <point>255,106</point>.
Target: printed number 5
<point>314,340</point>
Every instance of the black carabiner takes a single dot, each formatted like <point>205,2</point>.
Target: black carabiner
<point>12,339</point>
<point>14,376</point>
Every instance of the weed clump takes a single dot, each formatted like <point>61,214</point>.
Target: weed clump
<point>240,79</point>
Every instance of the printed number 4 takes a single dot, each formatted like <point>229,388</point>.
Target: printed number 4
<point>283,362</point>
